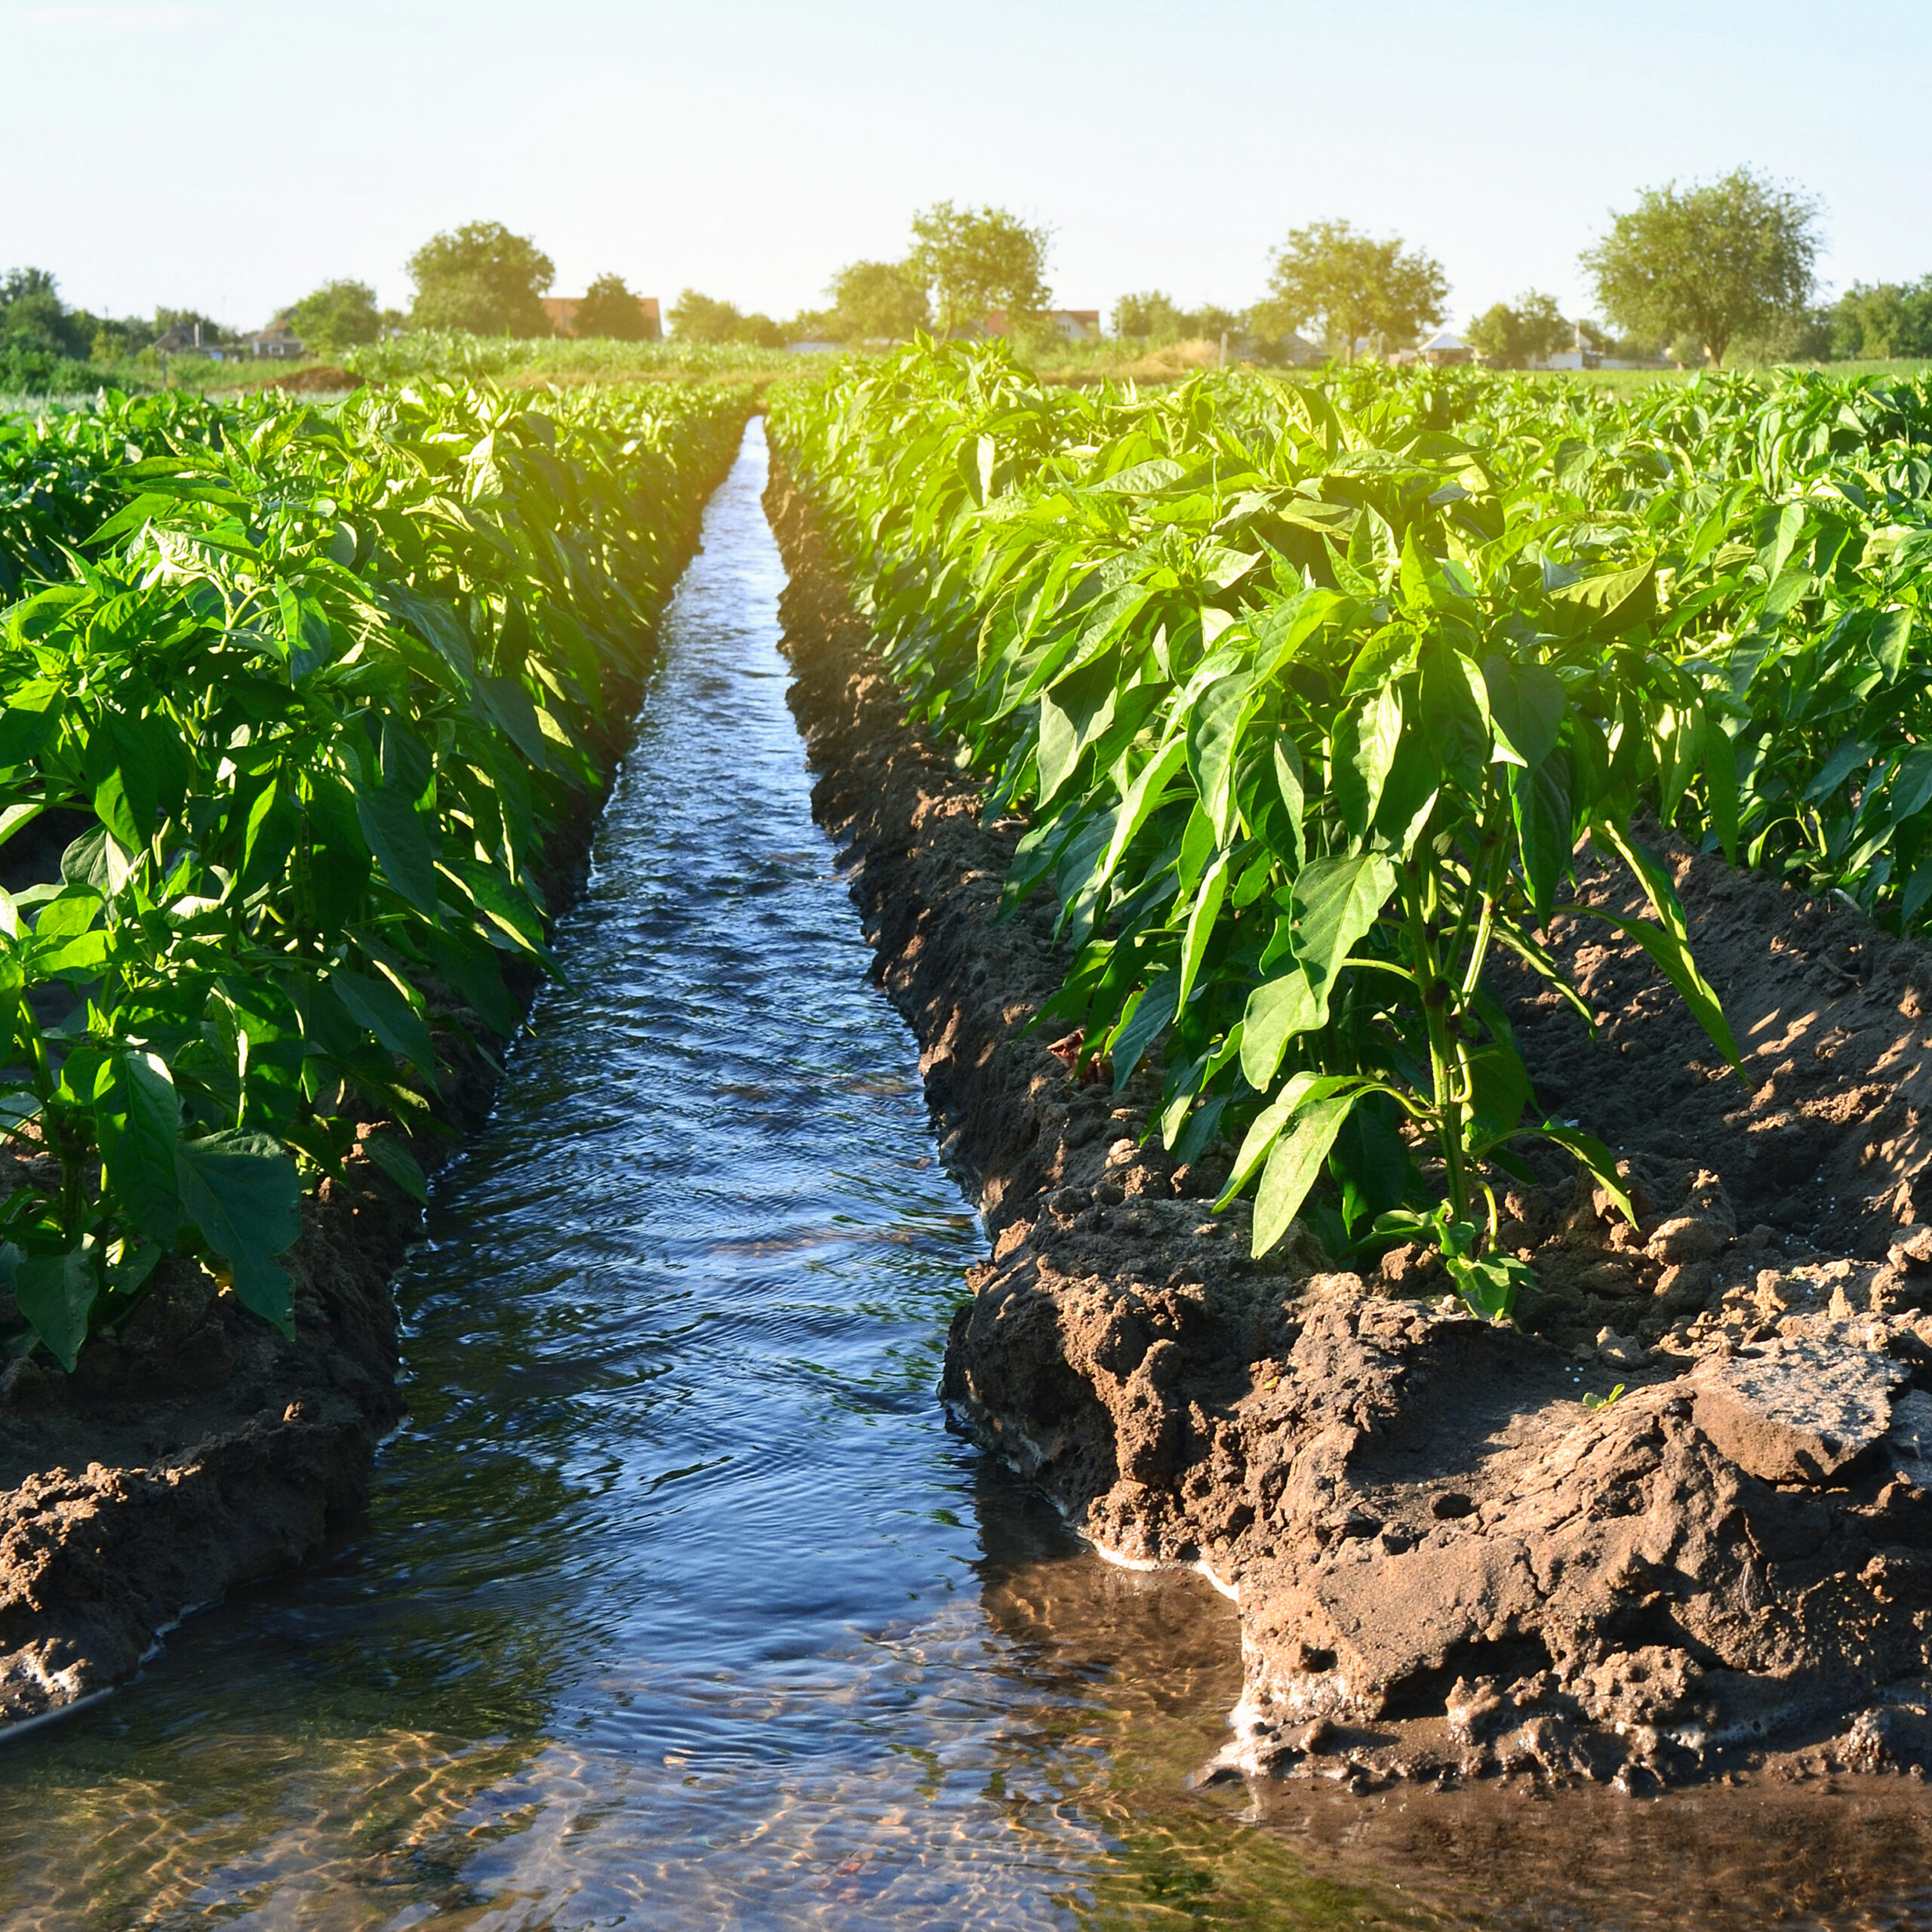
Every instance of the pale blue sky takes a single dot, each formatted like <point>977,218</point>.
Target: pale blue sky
<point>229,156</point>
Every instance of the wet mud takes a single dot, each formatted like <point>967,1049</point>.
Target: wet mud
<point>1448,1562</point>
<point>195,1449</point>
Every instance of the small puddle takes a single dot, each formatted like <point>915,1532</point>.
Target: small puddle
<point>676,1605</point>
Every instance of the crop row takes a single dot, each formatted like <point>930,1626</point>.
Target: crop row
<point>293,698</point>
<point>1313,694</point>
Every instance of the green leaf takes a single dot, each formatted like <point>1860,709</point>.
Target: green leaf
<point>1365,742</point>
<point>1153,1013</point>
<point>1267,1127</point>
<point>241,1192</point>
<point>137,1118</point>
<point>1289,781</point>
<point>1669,943</point>
<point>377,1008</point>
<point>1539,805</point>
<point>1455,712</point>
<point>399,837</point>
<point>1336,902</point>
<point>1527,702</point>
<point>1213,737</point>
<point>1298,1157</point>
<point>1277,1011</point>
<point>33,711</point>
<point>1201,928</point>
<point>399,1163</point>
<point>1605,606</point>
<point>56,1292</point>
<point>1599,1159</point>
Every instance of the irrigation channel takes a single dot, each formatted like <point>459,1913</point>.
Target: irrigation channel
<point>676,1604</point>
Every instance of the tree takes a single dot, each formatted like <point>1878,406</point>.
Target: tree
<point>879,301</point>
<point>977,259</point>
<point>1151,316</point>
<point>758,331</point>
<point>1350,285</point>
<point>610,309</point>
<point>337,315</point>
<point>482,279</point>
<point>1714,262</point>
<point>32,316</point>
<point>1511,337</point>
<point>696,318</point>
<point>1882,319</point>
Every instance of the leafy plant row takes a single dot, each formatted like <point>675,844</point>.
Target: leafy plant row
<point>293,697</point>
<point>1311,696</point>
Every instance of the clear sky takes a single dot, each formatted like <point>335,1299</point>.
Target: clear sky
<point>228,157</point>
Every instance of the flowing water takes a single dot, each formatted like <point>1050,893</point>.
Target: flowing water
<point>677,1606</point>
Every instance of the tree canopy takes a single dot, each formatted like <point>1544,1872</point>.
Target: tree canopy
<point>1882,319</point>
<point>1348,285</point>
<point>879,301</point>
<point>697,318</point>
<point>1512,334</point>
<point>977,259</point>
<point>481,277</point>
<point>609,309</point>
<point>34,319</point>
<point>1714,261</point>
<point>1153,316</point>
<point>337,315</point>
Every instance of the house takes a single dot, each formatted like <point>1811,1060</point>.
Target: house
<point>1075,325</point>
<point>278,343</point>
<point>1444,350</point>
<point>562,309</point>
<point>185,339</point>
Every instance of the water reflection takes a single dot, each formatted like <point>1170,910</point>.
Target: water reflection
<point>675,1606</point>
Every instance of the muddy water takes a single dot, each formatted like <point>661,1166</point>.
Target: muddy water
<point>676,1606</point>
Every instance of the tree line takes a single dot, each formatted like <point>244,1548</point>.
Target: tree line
<point>1696,273</point>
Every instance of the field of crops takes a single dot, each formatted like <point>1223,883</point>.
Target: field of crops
<point>292,699</point>
<point>1315,695</point>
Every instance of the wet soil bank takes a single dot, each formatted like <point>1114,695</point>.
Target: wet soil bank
<point>1447,1565</point>
<point>197,1450</point>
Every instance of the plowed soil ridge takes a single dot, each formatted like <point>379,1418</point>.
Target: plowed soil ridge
<point>1447,1562</point>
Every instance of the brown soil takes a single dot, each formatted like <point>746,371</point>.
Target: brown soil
<point>1445,1564</point>
<point>323,379</point>
<point>197,1449</point>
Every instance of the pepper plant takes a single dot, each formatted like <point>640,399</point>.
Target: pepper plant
<point>308,688</point>
<point>1310,712</point>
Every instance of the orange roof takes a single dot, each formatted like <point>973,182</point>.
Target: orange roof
<point>562,309</point>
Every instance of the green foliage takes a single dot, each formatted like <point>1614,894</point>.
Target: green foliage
<point>1153,317</point>
<point>315,684</point>
<point>448,355</point>
<point>337,315</point>
<point>699,318</point>
<point>1351,287</point>
<point>974,260</point>
<point>1882,320</point>
<point>482,279</point>
<point>1510,336</point>
<point>1716,261</point>
<point>879,301</point>
<point>610,310</point>
<point>1309,703</point>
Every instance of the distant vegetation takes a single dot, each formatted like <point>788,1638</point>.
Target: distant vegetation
<point>1714,272</point>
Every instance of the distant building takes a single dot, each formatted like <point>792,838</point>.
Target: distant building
<point>1445,350</point>
<point>185,339</point>
<point>1075,325</point>
<point>562,309</point>
<point>1298,351</point>
<point>278,343</point>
